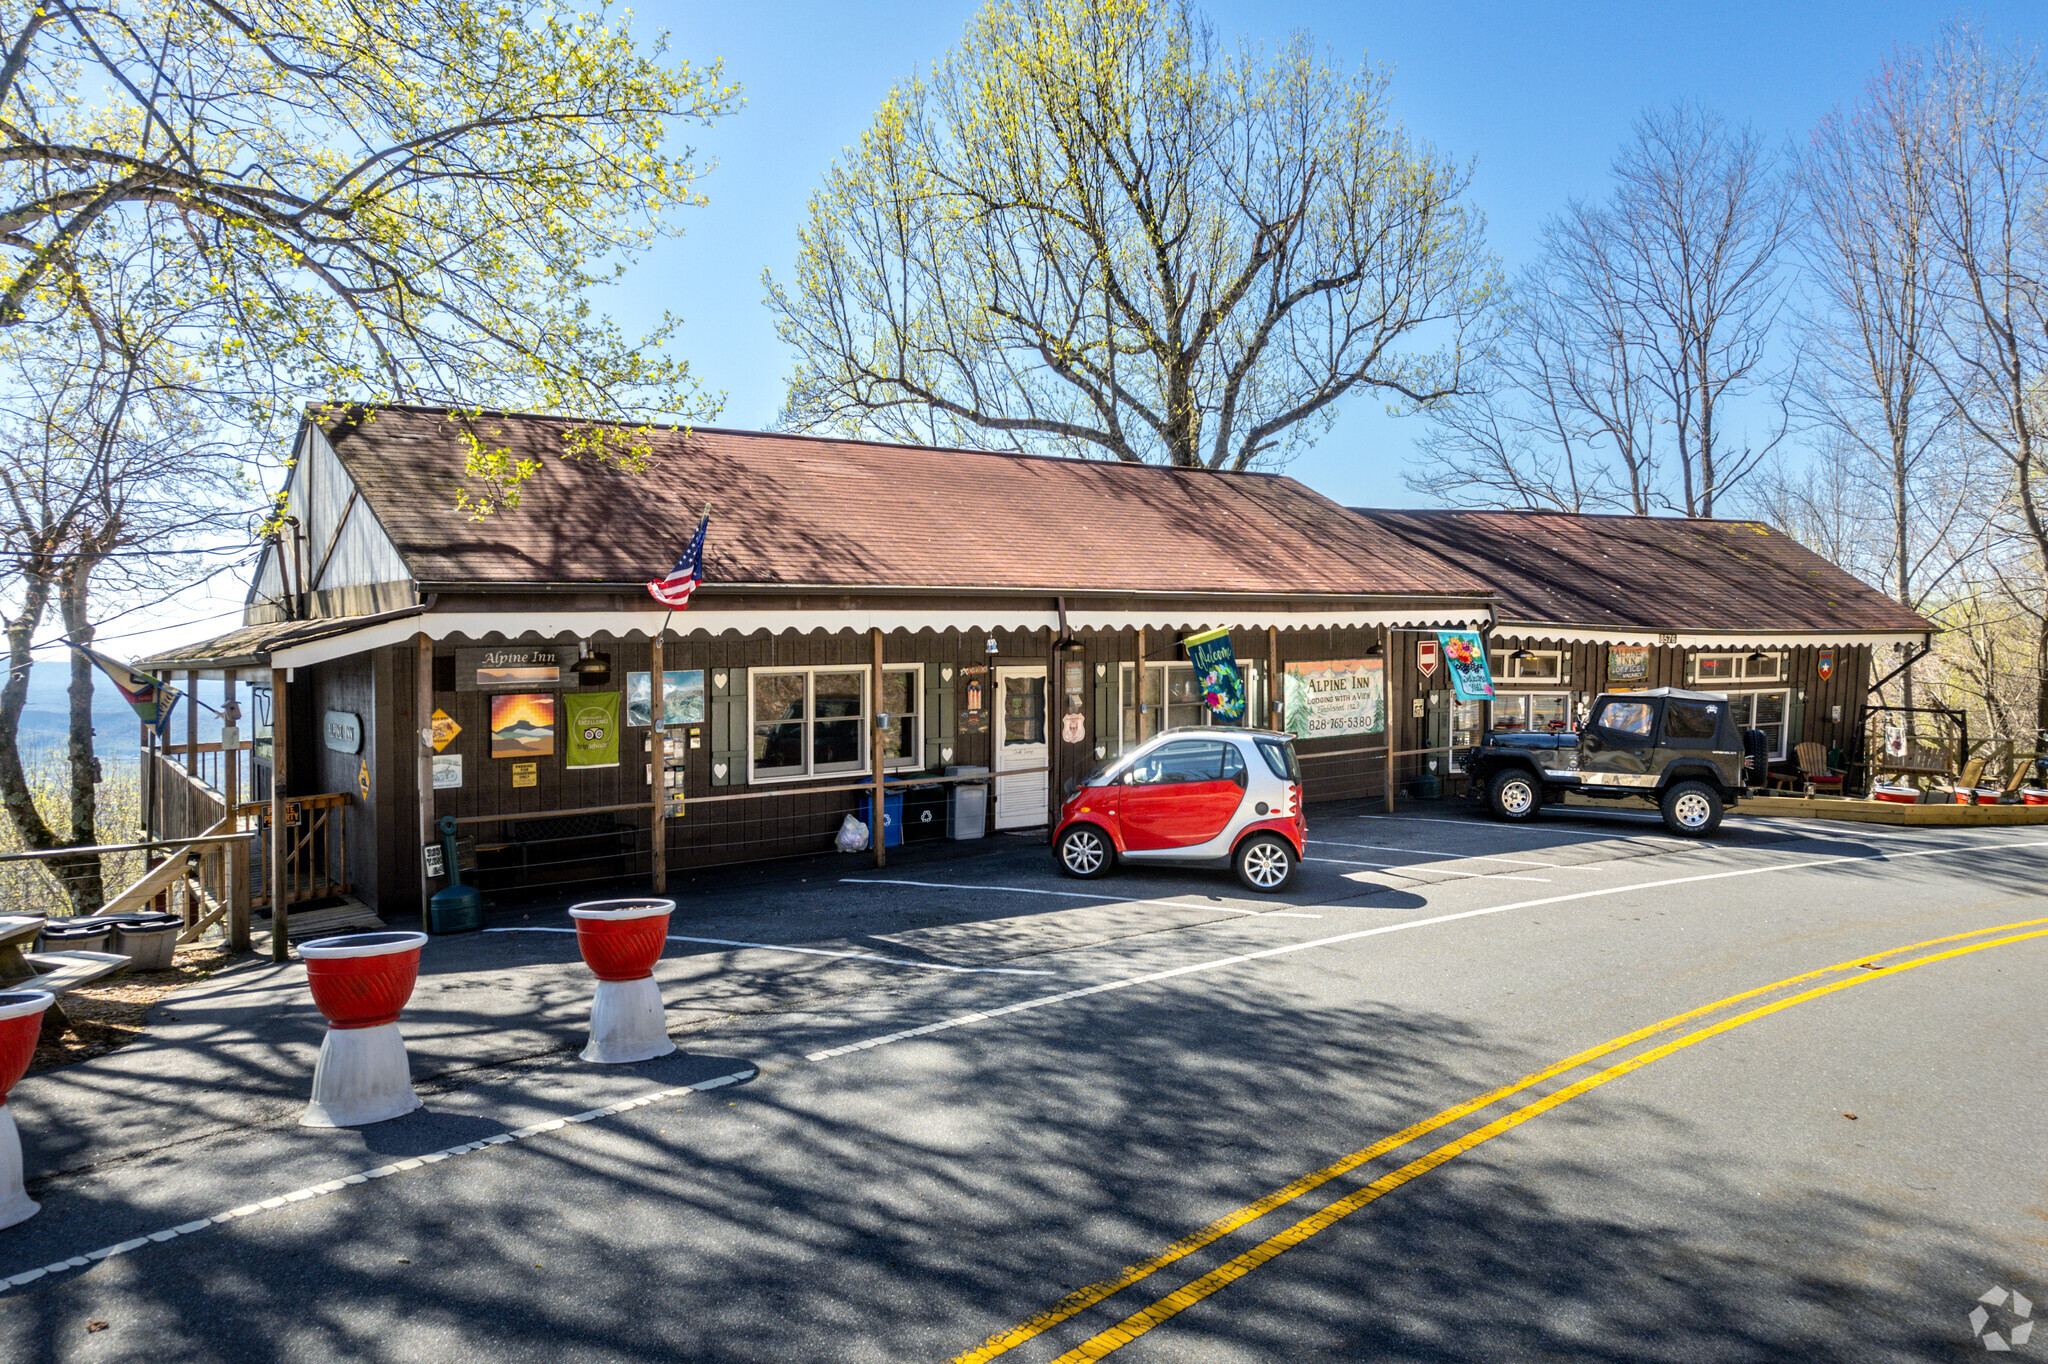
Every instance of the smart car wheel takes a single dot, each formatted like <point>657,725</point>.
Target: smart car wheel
<point>1514,795</point>
<point>1085,852</point>
<point>1265,863</point>
<point>1692,808</point>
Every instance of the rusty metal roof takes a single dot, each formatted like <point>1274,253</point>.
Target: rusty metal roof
<point>796,511</point>
<point>1650,573</point>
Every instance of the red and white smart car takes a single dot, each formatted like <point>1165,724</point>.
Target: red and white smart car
<point>1191,797</point>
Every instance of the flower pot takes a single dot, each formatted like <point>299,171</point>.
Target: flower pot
<point>2032,795</point>
<point>21,1022</point>
<point>360,983</point>
<point>620,941</point>
<point>1895,795</point>
<point>362,980</point>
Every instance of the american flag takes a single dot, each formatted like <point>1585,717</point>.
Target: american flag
<point>674,590</point>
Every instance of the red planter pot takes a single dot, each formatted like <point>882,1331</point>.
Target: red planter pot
<point>2032,796</point>
<point>362,980</point>
<point>622,939</point>
<point>21,1022</point>
<point>1896,795</point>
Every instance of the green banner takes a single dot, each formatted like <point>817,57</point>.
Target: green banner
<point>591,722</point>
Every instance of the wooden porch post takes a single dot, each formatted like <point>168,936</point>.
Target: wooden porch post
<point>280,942</point>
<point>657,746</point>
<point>423,751</point>
<point>1276,690</point>
<point>877,802</point>
<point>1387,665</point>
<point>1055,692</point>
<point>1138,688</point>
<point>235,863</point>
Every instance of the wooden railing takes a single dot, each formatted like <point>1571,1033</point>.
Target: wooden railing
<point>186,806</point>
<point>315,844</point>
<point>203,880</point>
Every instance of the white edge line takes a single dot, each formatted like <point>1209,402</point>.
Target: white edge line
<point>1440,871</point>
<point>1075,895</point>
<point>812,952</point>
<point>333,1186</point>
<point>1357,934</point>
<point>1455,856</point>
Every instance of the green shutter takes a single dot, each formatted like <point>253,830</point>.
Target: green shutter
<point>939,707</point>
<point>728,726</point>
<point>1106,678</point>
<point>1795,720</point>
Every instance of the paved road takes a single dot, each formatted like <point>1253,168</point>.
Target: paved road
<point>1579,1091</point>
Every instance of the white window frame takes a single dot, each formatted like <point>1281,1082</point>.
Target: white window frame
<point>914,761</point>
<point>1525,701</point>
<point>1511,667</point>
<point>1739,701</point>
<point>1254,687</point>
<point>1745,668</point>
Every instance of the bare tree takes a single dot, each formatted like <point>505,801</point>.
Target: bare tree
<point>1092,232</point>
<point>1684,257</point>
<point>1877,284</point>
<point>1989,210</point>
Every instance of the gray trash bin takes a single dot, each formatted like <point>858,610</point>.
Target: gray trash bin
<point>967,804</point>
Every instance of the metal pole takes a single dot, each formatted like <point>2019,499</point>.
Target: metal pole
<point>1276,694</point>
<point>423,758</point>
<point>280,942</point>
<point>876,799</point>
<point>657,745</point>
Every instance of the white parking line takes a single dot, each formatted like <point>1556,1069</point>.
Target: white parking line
<point>819,952</point>
<point>334,1186</point>
<point>1076,895</point>
<point>1427,866</point>
<point>1575,835</point>
<point>1455,856</point>
<point>1219,962</point>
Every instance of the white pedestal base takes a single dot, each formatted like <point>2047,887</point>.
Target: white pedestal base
<point>626,1022</point>
<point>15,1204</point>
<point>362,1077</point>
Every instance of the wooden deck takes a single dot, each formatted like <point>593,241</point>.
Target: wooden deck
<point>1879,812</point>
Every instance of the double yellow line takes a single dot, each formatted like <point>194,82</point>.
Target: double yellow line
<point>1865,968</point>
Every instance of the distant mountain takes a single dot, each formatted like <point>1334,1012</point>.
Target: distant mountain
<point>46,718</point>
<point>521,729</point>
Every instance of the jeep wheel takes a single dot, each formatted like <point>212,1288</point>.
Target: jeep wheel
<point>1265,863</point>
<point>1514,795</point>
<point>1085,852</point>
<point>1692,808</point>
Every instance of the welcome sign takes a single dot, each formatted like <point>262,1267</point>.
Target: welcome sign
<point>1465,653</point>
<point>1327,700</point>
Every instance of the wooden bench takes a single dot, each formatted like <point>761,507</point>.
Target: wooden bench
<point>56,973</point>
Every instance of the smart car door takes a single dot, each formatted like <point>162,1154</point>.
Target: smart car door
<point>1180,794</point>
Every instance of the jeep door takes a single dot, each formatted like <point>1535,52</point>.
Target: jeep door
<point>1617,747</point>
<point>1180,794</point>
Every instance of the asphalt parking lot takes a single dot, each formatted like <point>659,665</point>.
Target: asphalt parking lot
<point>965,1107</point>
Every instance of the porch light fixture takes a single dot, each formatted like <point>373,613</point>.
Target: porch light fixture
<point>1519,654</point>
<point>1759,656</point>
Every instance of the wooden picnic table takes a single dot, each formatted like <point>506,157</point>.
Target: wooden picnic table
<point>57,973</point>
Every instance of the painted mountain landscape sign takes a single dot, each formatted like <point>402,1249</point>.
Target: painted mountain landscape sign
<point>523,725</point>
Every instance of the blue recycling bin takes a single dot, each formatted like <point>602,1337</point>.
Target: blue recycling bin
<point>892,820</point>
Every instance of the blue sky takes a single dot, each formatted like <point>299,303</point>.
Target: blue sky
<point>1536,97</point>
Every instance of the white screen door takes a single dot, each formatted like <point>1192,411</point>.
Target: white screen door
<point>1021,751</point>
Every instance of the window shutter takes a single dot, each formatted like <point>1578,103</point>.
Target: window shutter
<point>1795,719</point>
<point>1564,667</point>
<point>938,715</point>
<point>728,726</point>
<point>1108,724</point>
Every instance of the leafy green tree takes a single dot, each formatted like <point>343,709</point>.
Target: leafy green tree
<point>1093,231</point>
<point>395,199</point>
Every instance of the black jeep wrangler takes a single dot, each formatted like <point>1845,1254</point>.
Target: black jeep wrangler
<point>1679,749</point>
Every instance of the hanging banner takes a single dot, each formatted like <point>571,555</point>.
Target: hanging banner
<point>1216,668</point>
<point>1465,652</point>
<point>1426,656</point>
<point>1826,664</point>
<point>593,728</point>
<point>1325,700</point>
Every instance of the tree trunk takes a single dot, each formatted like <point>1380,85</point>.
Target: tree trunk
<point>88,888</point>
<point>16,796</point>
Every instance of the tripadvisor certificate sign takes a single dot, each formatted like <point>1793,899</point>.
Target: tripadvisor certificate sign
<point>1330,699</point>
<point>591,721</point>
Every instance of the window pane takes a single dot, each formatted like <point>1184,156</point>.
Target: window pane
<point>899,692</point>
<point>835,745</point>
<point>779,749</point>
<point>1714,668</point>
<point>1191,760</point>
<point>1510,713</point>
<point>1628,717</point>
<point>1770,708</point>
<point>836,694</point>
<point>899,740</point>
<point>1551,712</point>
<point>1691,722</point>
<point>1130,709</point>
<point>1155,683</point>
<point>1539,665</point>
<point>1466,720</point>
<point>778,696</point>
<point>1023,710</point>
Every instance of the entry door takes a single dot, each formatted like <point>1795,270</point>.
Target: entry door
<point>1020,748</point>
